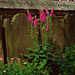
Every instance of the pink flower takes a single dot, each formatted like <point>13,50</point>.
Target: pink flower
<point>35,22</point>
<point>52,12</point>
<point>27,58</point>
<point>43,72</point>
<point>46,11</point>
<point>24,62</point>
<point>63,56</point>
<point>1,59</point>
<point>42,16</point>
<point>29,16</point>
<point>9,63</point>
<point>21,65</point>
<point>36,33</point>
<point>53,9</point>
<point>20,53</point>
<point>47,27</point>
<point>11,58</point>
<point>18,58</point>
<point>19,61</point>
<point>4,71</point>
<point>74,50</point>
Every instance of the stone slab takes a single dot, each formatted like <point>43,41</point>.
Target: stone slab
<point>37,4</point>
<point>18,35</point>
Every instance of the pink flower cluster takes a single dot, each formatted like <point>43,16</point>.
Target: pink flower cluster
<point>1,59</point>
<point>29,16</point>
<point>35,22</point>
<point>18,60</point>
<point>24,62</point>
<point>47,27</point>
<point>44,72</point>
<point>12,60</point>
<point>20,53</point>
<point>4,71</point>
<point>46,11</point>
<point>52,12</point>
<point>42,16</point>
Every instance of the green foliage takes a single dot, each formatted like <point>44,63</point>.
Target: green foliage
<point>67,61</point>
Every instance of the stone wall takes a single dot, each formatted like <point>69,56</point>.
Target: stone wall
<point>37,4</point>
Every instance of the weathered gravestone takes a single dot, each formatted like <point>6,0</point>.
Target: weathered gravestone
<point>18,37</point>
<point>58,31</point>
<point>69,23</point>
<point>63,30</point>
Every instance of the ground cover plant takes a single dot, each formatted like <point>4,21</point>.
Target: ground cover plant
<point>42,60</point>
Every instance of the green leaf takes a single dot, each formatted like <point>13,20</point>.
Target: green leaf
<point>28,64</point>
<point>44,61</point>
<point>35,50</point>
<point>35,64</point>
<point>36,59</point>
<point>31,64</point>
<point>29,49</point>
<point>41,51</point>
<point>42,55</point>
<point>49,53</point>
<point>67,48</point>
<point>45,48</point>
<point>26,55</point>
<point>41,66</point>
<point>36,56</point>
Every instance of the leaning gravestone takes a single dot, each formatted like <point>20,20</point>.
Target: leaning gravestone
<point>18,36</point>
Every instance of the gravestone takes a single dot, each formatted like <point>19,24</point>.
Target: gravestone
<point>69,23</point>
<point>63,30</point>
<point>58,31</point>
<point>18,37</point>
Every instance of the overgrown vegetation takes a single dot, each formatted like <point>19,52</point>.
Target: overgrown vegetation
<point>42,59</point>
